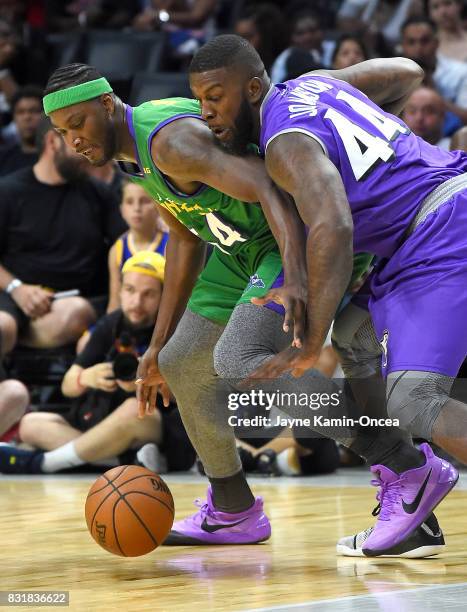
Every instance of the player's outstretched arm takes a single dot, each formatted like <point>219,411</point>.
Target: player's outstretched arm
<point>185,254</point>
<point>322,203</point>
<point>187,151</point>
<point>387,81</point>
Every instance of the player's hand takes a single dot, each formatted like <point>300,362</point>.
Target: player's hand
<point>293,299</point>
<point>149,381</point>
<point>291,359</point>
<point>34,301</point>
<point>100,376</point>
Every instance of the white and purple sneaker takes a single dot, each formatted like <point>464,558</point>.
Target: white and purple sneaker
<point>406,500</point>
<point>426,541</point>
<point>210,526</point>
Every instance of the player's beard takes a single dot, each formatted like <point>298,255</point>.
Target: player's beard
<point>242,131</point>
<point>109,147</point>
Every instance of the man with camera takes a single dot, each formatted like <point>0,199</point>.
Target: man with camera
<point>103,422</point>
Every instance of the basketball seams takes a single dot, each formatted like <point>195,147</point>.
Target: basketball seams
<point>131,479</point>
<point>172,510</point>
<point>114,509</point>
<point>150,534</point>
<point>100,505</point>
<point>113,487</point>
<point>109,481</point>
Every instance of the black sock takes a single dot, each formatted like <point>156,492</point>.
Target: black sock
<point>231,494</point>
<point>389,449</point>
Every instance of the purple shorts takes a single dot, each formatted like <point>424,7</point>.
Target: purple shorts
<point>418,299</point>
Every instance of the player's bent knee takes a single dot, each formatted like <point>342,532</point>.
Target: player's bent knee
<point>175,363</point>
<point>169,362</point>
<point>416,399</point>
<point>230,359</point>
<point>355,342</point>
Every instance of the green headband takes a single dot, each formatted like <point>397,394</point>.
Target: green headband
<point>75,94</point>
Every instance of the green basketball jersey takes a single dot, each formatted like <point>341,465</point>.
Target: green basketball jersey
<point>233,226</point>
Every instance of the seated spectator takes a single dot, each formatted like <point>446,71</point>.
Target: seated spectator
<point>349,50</point>
<point>14,399</point>
<point>13,11</point>
<point>449,77</point>
<point>308,36</point>
<point>188,23</point>
<point>374,17</point>
<point>299,62</point>
<point>9,43</point>
<point>54,232</point>
<point>103,422</point>
<point>26,107</point>
<point>424,113</point>
<point>447,15</point>
<point>18,67</point>
<point>263,27</point>
<point>294,452</point>
<point>147,233</point>
<point>69,15</point>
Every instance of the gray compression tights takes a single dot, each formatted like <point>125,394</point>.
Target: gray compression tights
<point>186,362</point>
<point>416,398</point>
<point>252,335</point>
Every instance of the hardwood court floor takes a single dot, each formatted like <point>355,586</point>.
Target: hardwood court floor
<point>45,545</point>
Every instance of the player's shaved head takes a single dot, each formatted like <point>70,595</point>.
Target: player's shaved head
<point>228,51</point>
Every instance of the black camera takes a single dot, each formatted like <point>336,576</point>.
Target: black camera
<point>125,362</point>
<point>125,366</point>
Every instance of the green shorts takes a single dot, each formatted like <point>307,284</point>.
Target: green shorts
<point>228,280</point>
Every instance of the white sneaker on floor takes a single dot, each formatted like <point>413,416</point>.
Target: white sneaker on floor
<point>151,458</point>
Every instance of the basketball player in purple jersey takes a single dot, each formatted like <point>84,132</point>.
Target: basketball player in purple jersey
<point>362,181</point>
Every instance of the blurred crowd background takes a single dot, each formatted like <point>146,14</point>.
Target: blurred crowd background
<point>65,226</point>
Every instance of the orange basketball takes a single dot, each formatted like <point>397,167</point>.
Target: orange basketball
<point>129,510</point>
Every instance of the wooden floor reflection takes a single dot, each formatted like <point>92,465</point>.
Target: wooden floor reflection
<point>45,546</point>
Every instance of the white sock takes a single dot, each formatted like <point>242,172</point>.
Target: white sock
<point>61,458</point>
<point>288,463</point>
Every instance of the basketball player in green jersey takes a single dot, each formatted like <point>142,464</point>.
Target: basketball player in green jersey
<point>174,157</point>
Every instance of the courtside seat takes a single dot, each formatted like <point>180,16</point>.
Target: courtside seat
<point>119,55</point>
<point>64,48</point>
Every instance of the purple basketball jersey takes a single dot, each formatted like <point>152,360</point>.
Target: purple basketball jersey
<point>387,171</point>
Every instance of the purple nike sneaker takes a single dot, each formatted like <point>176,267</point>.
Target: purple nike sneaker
<point>406,500</point>
<point>210,526</point>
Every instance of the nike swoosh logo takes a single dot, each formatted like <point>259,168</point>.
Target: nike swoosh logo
<point>412,507</point>
<point>205,526</point>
